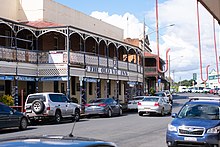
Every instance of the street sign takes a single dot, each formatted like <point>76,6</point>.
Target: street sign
<point>194,76</point>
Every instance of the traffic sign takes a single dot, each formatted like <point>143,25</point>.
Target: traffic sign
<point>194,76</point>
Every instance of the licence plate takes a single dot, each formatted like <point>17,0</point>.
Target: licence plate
<point>190,139</point>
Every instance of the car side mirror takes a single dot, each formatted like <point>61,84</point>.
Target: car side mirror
<point>174,115</point>
<point>70,101</point>
<point>12,112</point>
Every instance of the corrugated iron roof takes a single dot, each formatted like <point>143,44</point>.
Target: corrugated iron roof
<point>213,6</point>
<point>42,24</point>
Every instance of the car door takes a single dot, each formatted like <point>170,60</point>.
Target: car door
<point>4,118</point>
<point>57,103</point>
<point>63,104</point>
<point>69,106</point>
<point>11,119</point>
<point>114,106</point>
<point>165,104</point>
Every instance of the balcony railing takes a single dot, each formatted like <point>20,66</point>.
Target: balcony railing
<point>60,56</point>
<point>9,54</point>
<point>152,70</point>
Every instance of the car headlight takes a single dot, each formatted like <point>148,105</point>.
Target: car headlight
<point>172,128</point>
<point>214,130</point>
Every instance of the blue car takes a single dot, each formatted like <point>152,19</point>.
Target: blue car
<point>197,124</point>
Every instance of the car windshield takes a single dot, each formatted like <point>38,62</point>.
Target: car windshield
<point>201,111</point>
<point>159,94</point>
<point>97,101</point>
<point>137,98</point>
<point>149,99</point>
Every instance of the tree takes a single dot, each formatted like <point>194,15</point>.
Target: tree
<point>152,91</point>
<point>187,83</point>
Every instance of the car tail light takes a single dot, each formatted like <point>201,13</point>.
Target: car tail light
<point>87,105</point>
<point>139,103</point>
<point>48,108</point>
<point>102,105</point>
<point>156,104</point>
<point>24,110</point>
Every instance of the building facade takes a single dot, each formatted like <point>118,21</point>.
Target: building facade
<point>153,77</point>
<point>47,47</point>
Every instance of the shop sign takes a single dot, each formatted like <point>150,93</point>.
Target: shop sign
<point>53,79</point>
<point>10,78</point>
<point>132,82</point>
<point>22,78</point>
<point>92,80</point>
<point>104,70</point>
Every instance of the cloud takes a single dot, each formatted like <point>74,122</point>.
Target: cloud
<point>132,27</point>
<point>182,38</point>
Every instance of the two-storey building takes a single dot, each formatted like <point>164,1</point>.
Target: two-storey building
<point>153,77</point>
<point>45,46</point>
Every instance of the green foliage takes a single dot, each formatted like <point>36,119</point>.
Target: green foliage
<point>152,91</point>
<point>7,99</point>
<point>187,83</point>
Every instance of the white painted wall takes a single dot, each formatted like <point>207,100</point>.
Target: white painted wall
<point>51,11</point>
<point>8,9</point>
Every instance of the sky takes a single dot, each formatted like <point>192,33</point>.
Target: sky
<point>181,38</point>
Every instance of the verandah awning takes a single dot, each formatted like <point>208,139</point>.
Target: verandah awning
<point>213,6</point>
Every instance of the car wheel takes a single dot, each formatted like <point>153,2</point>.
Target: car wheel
<point>58,117</point>
<point>109,114</point>
<point>76,116</point>
<point>23,123</point>
<point>38,106</point>
<point>140,114</point>
<point>162,112</point>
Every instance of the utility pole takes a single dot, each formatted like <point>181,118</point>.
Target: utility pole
<point>143,41</point>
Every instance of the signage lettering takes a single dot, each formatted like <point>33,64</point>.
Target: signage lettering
<point>104,70</point>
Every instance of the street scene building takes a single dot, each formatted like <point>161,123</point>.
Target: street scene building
<point>48,47</point>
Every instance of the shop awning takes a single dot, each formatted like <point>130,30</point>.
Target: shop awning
<point>213,6</point>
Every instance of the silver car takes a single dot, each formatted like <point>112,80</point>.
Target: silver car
<point>103,107</point>
<point>133,103</point>
<point>41,106</point>
<point>154,104</point>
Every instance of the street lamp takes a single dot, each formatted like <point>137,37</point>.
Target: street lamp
<point>171,25</point>
<point>172,60</point>
<point>170,68</point>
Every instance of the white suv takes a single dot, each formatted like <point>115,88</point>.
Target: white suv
<point>41,106</point>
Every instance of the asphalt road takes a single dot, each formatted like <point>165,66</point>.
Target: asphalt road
<point>129,130</point>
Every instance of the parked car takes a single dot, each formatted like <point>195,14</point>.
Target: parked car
<point>154,104</point>
<point>197,89</point>
<point>215,91</point>
<point>196,124</point>
<point>40,106</point>
<point>190,89</point>
<point>168,94</point>
<point>206,90</point>
<point>132,103</point>
<point>211,91</point>
<point>12,118</point>
<point>103,107</point>
<point>164,95</point>
<point>54,140</point>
